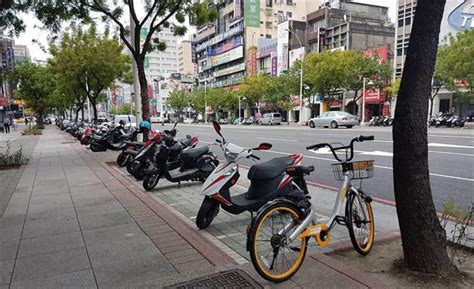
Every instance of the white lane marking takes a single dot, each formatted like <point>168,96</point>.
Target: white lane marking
<point>449,153</point>
<point>449,145</point>
<point>322,151</point>
<point>377,166</point>
<point>449,136</point>
<point>378,153</point>
<point>387,141</point>
<point>278,139</point>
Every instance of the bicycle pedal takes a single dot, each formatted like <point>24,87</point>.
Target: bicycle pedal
<point>341,220</point>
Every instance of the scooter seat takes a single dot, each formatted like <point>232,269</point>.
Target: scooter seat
<point>194,153</point>
<point>135,143</point>
<point>270,169</point>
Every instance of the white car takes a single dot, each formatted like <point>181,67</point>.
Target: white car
<point>271,118</point>
<point>334,119</point>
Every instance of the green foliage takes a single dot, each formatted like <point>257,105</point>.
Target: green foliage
<point>179,100</point>
<point>393,88</point>
<point>32,131</point>
<point>36,87</point>
<point>455,62</point>
<point>256,88</point>
<point>11,159</point>
<point>215,98</point>
<point>123,109</point>
<point>157,13</point>
<point>85,64</point>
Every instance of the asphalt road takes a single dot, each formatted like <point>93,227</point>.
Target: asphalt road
<point>451,155</point>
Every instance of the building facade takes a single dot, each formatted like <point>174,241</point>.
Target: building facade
<point>185,63</point>
<point>458,16</point>
<point>227,50</point>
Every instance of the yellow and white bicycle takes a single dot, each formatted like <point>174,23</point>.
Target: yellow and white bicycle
<point>278,236</point>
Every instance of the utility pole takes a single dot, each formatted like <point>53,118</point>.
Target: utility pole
<point>301,121</point>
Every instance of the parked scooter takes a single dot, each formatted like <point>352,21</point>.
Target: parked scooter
<point>114,139</point>
<point>177,164</point>
<point>267,181</point>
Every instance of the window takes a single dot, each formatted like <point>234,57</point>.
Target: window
<point>289,2</point>
<point>289,14</point>
<point>400,22</point>
<point>399,52</point>
<point>269,24</point>
<point>269,3</point>
<point>408,20</point>
<point>268,36</point>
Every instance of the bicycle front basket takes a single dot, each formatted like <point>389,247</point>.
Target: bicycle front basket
<point>356,170</point>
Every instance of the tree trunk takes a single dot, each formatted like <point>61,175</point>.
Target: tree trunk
<point>77,113</point>
<point>431,106</point>
<point>423,238</point>
<point>82,113</point>
<point>143,91</point>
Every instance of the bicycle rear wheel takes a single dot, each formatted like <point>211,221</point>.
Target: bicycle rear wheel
<point>360,223</point>
<point>272,256</point>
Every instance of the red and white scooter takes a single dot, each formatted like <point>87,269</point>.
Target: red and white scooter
<point>268,180</point>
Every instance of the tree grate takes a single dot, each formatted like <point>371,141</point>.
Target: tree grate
<point>226,279</point>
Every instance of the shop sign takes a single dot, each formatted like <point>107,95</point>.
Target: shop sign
<point>252,13</point>
<point>3,101</point>
<point>274,63</point>
<point>267,50</point>
<point>296,54</point>
<point>374,96</point>
<point>282,47</point>
<point>228,56</point>
<point>208,31</point>
<point>335,103</point>
<point>462,17</point>
<point>226,47</point>
<point>295,100</point>
<point>252,61</point>
<point>380,52</point>
<point>231,32</point>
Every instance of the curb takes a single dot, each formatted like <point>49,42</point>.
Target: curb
<point>344,246</point>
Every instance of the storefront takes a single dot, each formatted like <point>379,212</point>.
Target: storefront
<point>375,103</point>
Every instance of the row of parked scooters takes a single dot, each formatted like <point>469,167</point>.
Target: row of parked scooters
<point>381,121</point>
<point>447,120</point>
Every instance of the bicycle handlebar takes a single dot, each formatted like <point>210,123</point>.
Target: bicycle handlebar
<point>359,138</point>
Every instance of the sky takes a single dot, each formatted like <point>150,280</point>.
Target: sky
<point>36,38</point>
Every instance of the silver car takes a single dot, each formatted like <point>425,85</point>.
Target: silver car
<point>334,119</point>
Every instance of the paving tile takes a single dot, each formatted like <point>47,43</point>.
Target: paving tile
<point>6,269</point>
<point>51,188</point>
<point>112,233</point>
<point>77,279</point>
<point>140,272</point>
<point>93,200</point>
<point>119,251</point>
<point>52,243</point>
<point>11,221</point>
<point>51,214</point>
<point>104,220</point>
<point>10,234</point>
<point>189,258</point>
<point>52,226</point>
<point>99,209</point>
<point>8,250</point>
<point>50,264</point>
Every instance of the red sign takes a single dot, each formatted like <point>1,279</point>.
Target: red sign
<point>334,103</point>
<point>252,61</point>
<point>380,52</point>
<point>386,109</point>
<point>3,101</point>
<point>114,96</point>
<point>149,91</point>
<point>374,96</point>
<point>296,101</point>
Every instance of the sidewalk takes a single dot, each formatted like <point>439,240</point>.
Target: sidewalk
<point>76,220</point>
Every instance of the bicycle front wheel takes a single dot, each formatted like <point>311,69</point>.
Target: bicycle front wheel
<point>273,256</point>
<point>360,223</point>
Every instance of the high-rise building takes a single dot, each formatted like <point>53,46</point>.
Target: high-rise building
<point>227,50</point>
<point>458,16</point>
<point>185,62</point>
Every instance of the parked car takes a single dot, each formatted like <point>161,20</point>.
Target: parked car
<point>271,118</point>
<point>129,120</point>
<point>156,119</point>
<point>334,119</point>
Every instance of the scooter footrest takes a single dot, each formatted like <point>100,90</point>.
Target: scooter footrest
<point>341,220</point>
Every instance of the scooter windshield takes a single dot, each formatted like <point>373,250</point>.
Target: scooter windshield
<point>232,151</point>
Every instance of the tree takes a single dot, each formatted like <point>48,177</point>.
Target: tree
<point>122,109</point>
<point>87,64</point>
<point>256,88</point>
<point>423,238</point>
<point>35,85</point>
<point>159,14</point>
<point>455,66</point>
<point>179,100</point>
<point>394,87</point>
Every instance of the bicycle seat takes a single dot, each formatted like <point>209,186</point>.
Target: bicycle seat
<point>194,153</point>
<point>270,169</point>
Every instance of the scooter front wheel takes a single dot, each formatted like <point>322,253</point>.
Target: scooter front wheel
<point>207,212</point>
<point>122,159</point>
<point>150,181</point>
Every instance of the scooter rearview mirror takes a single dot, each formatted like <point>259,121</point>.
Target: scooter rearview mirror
<point>264,146</point>
<point>217,128</point>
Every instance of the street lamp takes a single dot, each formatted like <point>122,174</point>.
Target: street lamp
<point>240,113</point>
<point>363,98</point>
<point>301,77</point>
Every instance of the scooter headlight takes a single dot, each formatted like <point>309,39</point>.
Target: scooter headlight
<point>230,155</point>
